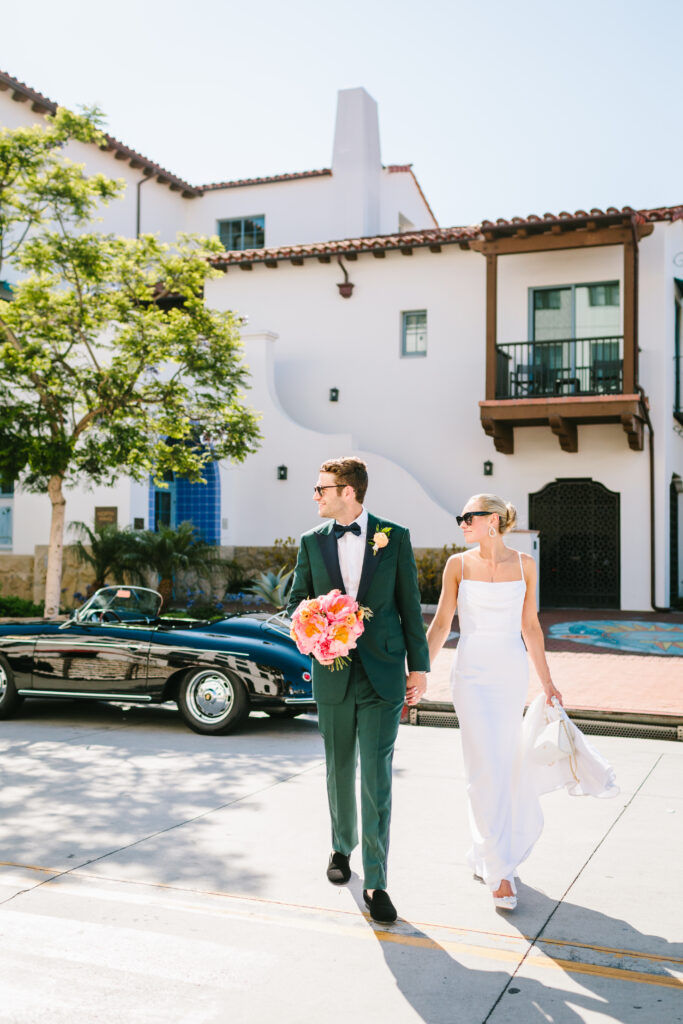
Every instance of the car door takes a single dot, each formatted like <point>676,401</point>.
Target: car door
<point>93,659</point>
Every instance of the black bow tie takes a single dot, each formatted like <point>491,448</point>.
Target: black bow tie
<point>339,530</point>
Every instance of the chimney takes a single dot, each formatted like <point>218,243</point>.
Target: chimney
<point>356,165</point>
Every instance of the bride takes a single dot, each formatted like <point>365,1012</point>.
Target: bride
<point>494,589</point>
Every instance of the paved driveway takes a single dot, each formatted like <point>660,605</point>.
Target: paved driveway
<point>152,875</point>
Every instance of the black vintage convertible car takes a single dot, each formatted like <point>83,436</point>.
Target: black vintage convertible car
<point>116,647</point>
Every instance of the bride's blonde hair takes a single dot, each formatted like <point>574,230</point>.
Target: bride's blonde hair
<point>507,513</point>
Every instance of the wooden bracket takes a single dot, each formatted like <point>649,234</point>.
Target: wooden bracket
<point>565,430</point>
<point>502,434</point>
<point>633,425</point>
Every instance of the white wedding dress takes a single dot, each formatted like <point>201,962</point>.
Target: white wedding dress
<point>489,682</point>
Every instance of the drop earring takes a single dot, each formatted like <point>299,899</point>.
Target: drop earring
<point>492,530</point>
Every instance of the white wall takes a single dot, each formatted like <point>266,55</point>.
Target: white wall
<point>422,413</point>
<point>261,508</point>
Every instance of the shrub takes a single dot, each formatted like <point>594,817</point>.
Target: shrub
<point>273,587</point>
<point>19,608</point>
<point>430,566</point>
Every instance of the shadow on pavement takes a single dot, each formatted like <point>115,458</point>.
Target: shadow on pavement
<point>442,990</point>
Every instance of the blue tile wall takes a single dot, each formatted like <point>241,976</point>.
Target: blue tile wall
<point>198,503</point>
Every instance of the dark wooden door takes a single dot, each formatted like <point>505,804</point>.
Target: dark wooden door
<point>578,521</point>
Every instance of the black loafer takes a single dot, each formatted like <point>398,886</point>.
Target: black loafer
<point>338,870</point>
<point>380,906</point>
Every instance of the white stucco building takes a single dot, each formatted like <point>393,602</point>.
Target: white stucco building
<point>530,357</point>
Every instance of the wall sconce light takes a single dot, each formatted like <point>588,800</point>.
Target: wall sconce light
<point>282,472</point>
<point>346,286</point>
<point>334,394</point>
<point>488,468</point>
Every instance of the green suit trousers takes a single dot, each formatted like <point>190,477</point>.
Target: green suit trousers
<point>362,723</point>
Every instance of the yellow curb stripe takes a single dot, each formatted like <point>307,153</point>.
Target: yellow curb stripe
<point>544,961</point>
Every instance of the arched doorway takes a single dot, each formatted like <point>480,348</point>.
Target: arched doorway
<point>578,520</point>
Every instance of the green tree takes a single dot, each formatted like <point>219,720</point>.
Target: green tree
<point>108,551</point>
<point>167,551</point>
<point>110,362</point>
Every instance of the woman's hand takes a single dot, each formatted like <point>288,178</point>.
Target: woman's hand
<point>416,684</point>
<point>550,692</point>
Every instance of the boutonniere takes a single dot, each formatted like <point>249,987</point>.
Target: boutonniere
<point>380,538</point>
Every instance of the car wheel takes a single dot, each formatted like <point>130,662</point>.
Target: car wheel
<point>9,698</point>
<point>212,702</point>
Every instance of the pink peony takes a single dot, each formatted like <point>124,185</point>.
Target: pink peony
<point>328,627</point>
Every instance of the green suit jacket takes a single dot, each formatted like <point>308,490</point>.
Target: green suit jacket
<point>388,587</point>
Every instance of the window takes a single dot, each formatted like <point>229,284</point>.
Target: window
<point>165,503</point>
<point>6,496</point>
<point>678,355</point>
<point>575,338</point>
<point>243,233</point>
<point>414,333</point>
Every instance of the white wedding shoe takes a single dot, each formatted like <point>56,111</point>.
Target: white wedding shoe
<point>505,902</point>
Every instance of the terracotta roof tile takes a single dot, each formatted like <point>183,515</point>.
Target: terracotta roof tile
<point>375,243</point>
<point>42,105</point>
<point>242,182</point>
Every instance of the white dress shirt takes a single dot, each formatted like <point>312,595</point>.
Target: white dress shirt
<point>351,553</point>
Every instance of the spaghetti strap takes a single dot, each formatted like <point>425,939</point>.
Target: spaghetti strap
<point>462,566</point>
<point>521,567</point>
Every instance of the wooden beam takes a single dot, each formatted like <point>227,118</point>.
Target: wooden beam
<point>406,250</point>
<point>271,264</point>
<point>579,238</point>
<point>325,258</point>
<point>435,248</point>
<point>120,155</point>
<point>502,434</point>
<point>565,430</point>
<point>463,245</point>
<point>350,256</point>
<point>19,97</point>
<point>297,261</point>
<point>379,254</point>
<point>244,266</point>
<point>491,323</point>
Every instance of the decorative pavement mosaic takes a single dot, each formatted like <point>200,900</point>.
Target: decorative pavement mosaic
<point>623,634</point>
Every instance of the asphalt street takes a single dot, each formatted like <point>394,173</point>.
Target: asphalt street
<point>148,874</point>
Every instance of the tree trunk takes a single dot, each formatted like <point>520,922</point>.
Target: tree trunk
<point>55,552</point>
<point>166,591</point>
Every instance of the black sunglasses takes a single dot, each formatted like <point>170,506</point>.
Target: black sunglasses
<point>319,490</point>
<point>469,516</point>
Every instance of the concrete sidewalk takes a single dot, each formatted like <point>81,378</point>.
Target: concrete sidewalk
<point>153,875</point>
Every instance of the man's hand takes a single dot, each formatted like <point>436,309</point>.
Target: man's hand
<point>416,685</point>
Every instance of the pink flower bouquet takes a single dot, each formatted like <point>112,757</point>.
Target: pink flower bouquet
<point>328,627</point>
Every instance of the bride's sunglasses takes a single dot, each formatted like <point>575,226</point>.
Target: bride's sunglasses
<point>468,517</point>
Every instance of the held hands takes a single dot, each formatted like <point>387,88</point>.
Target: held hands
<point>416,685</point>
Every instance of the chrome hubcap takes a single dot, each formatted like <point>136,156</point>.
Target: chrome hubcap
<point>3,683</point>
<point>210,697</point>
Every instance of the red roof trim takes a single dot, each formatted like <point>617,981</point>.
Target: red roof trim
<point>405,240</point>
<point>244,182</point>
<point>42,105</point>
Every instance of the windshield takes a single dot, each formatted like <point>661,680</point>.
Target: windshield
<point>125,604</point>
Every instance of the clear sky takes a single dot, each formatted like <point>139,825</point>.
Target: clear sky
<point>504,107</point>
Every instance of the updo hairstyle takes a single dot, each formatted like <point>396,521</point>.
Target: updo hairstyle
<point>507,513</point>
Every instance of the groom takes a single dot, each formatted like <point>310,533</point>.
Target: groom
<point>359,706</point>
